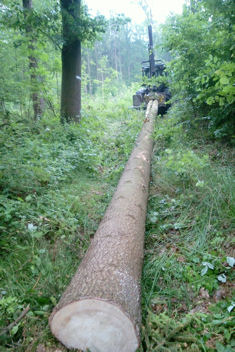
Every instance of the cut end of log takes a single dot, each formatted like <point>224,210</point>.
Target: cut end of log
<point>95,325</point>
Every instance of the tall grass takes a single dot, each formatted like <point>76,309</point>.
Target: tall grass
<point>56,182</point>
<point>189,224</point>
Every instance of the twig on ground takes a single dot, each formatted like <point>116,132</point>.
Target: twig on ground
<point>10,326</point>
<point>36,283</point>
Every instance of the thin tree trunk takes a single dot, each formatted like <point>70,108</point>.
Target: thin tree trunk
<point>89,73</point>
<point>37,99</point>
<point>57,87</point>
<point>102,84</point>
<point>71,63</point>
<point>115,58</point>
<point>120,66</point>
<point>129,73</point>
<point>100,310</point>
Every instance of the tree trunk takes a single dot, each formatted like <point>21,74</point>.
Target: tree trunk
<point>71,62</point>
<point>100,309</point>
<point>89,89</point>
<point>115,57</point>
<point>37,99</point>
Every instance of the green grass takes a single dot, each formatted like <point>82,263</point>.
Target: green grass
<point>189,224</point>
<point>56,182</point>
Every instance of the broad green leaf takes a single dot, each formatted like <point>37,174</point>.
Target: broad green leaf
<point>230,261</point>
<point>224,80</point>
<point>222,278</point>
<point>210,100</point>
<point>14,330</point>
<point>209,265</point>
<point>230,308</point>
<point>204,270</point>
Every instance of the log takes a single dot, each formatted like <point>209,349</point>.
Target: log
<point>100,309</point>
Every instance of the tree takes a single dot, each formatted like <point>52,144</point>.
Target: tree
<point>77,26</point>
<point>37,99</point>
<point>202,71</point>
<point>34,31</point>
<point>28,29</point>
<point>125,46</point>
<point>71,61</point>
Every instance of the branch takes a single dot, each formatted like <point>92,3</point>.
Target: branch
<point>10,326</point>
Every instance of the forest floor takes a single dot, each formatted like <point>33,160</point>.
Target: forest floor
<point>56,182</point>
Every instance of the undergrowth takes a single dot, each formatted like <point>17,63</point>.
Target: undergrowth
<point>56,182</point>
<point>189,254</point>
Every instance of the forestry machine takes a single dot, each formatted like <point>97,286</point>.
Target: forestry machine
<point>152,68</point>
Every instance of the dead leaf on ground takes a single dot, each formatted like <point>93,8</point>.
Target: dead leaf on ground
<point>159,308</point>
<point>181,259</point>
<point>183,308</point>
<point>204,293</point>
<point>202,305</point>
<point>219,294</point>
<point>41,348</point>
<point>199,309</point>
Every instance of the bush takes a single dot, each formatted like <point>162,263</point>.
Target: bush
<point>202,70</point>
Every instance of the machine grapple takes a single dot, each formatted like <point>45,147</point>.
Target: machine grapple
<point>152,68</point>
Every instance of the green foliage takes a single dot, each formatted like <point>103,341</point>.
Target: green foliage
<point>187,275</point>
<point>155,81</point>
<point>35,35</point>
<point>168,334</point>
<point>56,181</point>
<point>40,164</point>
<point>107,79</point>
<point>44,19</point>
<point>125,46</point>
<point>23,36</point>
<point>202,70</point>
<point>78,24</point>
<point>185,164</point>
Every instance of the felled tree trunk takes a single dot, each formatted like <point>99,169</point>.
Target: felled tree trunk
<point>100,310</point>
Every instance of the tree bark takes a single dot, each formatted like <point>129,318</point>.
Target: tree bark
<point>89,89</point>
<point>37,99</point>
<point>71,62</point>
<point>100,309</point>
